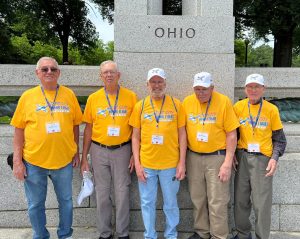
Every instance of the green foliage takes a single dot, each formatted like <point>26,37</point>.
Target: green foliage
<point>5,120</point>
<point>277,17</point>
<point>261,56</point>
<point>239,50</point>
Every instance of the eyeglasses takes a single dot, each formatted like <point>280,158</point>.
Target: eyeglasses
<point>46,69</point>
<point>105,73</point>
<point>257,87</point>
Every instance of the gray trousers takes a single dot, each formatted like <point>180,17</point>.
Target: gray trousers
<point>252,187</point>
<point>110,169</point>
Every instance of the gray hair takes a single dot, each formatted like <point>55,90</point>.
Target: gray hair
<point>47,58</point>
<point>108,62</point>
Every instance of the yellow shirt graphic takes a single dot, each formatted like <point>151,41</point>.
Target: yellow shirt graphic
<point>269,120</point>
<point>48,150</point>
<point>159,156</point>
<point>98,113</point>
<point>219,120</point>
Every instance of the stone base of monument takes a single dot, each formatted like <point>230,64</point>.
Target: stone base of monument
<point>285,209</point>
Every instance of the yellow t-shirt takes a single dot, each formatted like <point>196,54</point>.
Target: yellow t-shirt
<point>48,150</point>
<point>269,120</point>
<point>98,113</point>
<point>220,119</point>
<point>158,156</point>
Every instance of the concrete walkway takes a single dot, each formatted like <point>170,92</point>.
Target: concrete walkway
<point>91,233</point>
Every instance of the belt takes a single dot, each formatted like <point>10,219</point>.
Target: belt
<point>111,146</point>
<point>218,152</point>
<point>254,153</point>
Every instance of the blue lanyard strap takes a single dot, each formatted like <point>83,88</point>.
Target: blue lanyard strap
<point>51,106</point>
<point>206,111</point>
<point>254,124</point>
<point>116,102</point>
<point>157,116</point>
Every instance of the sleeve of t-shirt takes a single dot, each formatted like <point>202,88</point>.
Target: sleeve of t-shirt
<point>135,118</point>
<point>181,115</point>
<point>275,120</point>
<point>77,110</point>
<point>19,117</point>
<point>230,120</point>
<point>87,115</point>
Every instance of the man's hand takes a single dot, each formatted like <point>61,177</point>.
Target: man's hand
<point>272,165</point>
<point>19,170</point>
<point>131,164</point>
<point>84,165</point>
<point>140,173</point>
<point>180,171</point>
<point>225,172</point>
<point>76,161</point>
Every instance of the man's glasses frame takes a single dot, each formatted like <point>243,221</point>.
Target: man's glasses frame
<point>46,69</point>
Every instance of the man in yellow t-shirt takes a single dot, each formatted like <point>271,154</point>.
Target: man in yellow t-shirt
<point>46,136</point>
<point>107,135</point>
<point>261,142</point>
<point>211,132</point>
<point>159,148</point>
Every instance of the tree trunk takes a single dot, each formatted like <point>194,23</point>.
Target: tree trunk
<point>283,46</point>
<point>65,44</point>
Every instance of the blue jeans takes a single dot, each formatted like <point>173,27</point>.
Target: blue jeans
<point>36,191</point>
<point>148,195</point>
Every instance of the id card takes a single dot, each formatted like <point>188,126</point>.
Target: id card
<point>113,131</point>
<point>53,127</point>
<point>157,139</point>
<point>254,148</point>
<point>202,137</point>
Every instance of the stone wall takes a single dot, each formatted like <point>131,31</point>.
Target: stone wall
<point>282,82</point>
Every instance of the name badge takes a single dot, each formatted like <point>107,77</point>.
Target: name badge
<point>157,139</point>
<point>53,127</point>
<point>253,148</point>
<point>113,131</point>
<point>202,137</point>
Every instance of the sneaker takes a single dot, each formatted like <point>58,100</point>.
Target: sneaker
<point>195,236</point>
<point>236,237</point>
<point>110,237</point>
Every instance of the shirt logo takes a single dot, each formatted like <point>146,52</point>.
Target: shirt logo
<point>148,117</point>
<point>101,112</point>
<point>41,108</point>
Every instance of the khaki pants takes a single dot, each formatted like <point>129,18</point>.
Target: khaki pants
<point>251,186</point>
<point>210,197</point>
<point>110,168</point>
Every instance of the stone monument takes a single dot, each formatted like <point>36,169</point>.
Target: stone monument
<point>201,39</point>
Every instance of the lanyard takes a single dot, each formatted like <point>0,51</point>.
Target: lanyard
<point>157,116</point>
<point>116,102</point>
<point>206,111</point>
<point>254,124</point>
<point>51,106</point>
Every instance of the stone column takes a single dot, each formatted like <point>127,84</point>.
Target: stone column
<point>181,45</point>
<point>155,7</point>
<point>190,7</point>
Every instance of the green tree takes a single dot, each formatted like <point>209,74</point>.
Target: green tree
<point>277,17</point>
<point>261,56</point>
<point>239,51</point>
<point>48,20</point>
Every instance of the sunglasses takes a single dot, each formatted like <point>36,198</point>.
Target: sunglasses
<point>46,69</point>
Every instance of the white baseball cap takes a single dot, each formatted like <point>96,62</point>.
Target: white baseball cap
<point>156,72</point>
<point>87,187</point>
<point>203,79</point>
<point>255,78</point>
